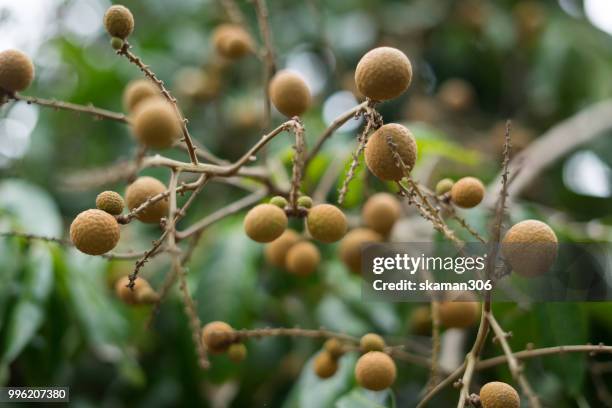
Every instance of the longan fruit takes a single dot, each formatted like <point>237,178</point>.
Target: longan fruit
<point>444,186</point>
<point>16,71</point>
<point>110,201</point>
<point>94,232</point>
<point>498,394</point>
<point>530,247</point>
<point>217,336</point>
<point>279,201</point>
<point>456,94</point>
<point>237,352</point>
<point>467,192</point>
<point>156,124</point>
<point>381,211</point>
<point>334,347</point>
<point>458,314</point>
<point>371,342</point>
<point>326,223</point>
<point>303,258</point>
<point>304,201</point>
<point>350,246</point>
<point>289,93</point>
<point>375,371</point>
<point>142,293</point>
<point>232,41</point>
<point>420,321</point>
<point>325,365</point>
<point>383,73</point>
<point>379,157</point>
<point>119,21</point>
<point>265,223</point>
<point>142,189</point>
<point>137,91</point>
<point>276,251</point>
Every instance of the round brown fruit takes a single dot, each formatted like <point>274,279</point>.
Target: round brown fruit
<point>119,21</point>
<point>140,191</point>
<point>456,94</point>
<point>303,258</point>
<point>334,347</point>
<point>375,371</point>
<point>498,394</point>
<point>110,201</point>
<point>381,211</point>
<point>458,314</point>
<point>156,124</point>
<point>289,93</point>
<point>325,365</point>
<point>326,223</point>
<point>467,192</point>
<point>142,293</point>
<point>530,247</point>
<point>232,41</point>
<point>276,251</point>
<point>351,244</point>
<point>237,352</point>
<point>217,336</point>
<point>265,223</point>
<point>371,342</point>
<point>16,71</point>
<point>379,156</point>
<point>137,91</point>
<point>94,232</point>
<point>383,73</point>
<point>420,321</point>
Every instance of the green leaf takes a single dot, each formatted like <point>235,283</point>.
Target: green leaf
<point>33,208</point>
<point>311,391</point>
<point>27,315</point>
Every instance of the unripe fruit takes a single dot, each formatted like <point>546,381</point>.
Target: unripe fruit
<point>142,293</point>
<point>279,201</point>
<point>265,223</point>
<point>379,157</point>
<point>334,348</point>
<point>444,186</point>
<point>325,365</point>
<point>16,70</point>
<point>303,258</point>
<point>289,93</point>
<point>119,21</point>
<point>232,41</point>
<point>156,124</point>
<point>140,191</point>
<point>137,91</point>
<point>530,247</point>
<point>375,371</point>
<point>497,394</point>
<point>237,352</point>
<point>110,201</point>
<point>371,342</point>
<point>458,314</point>
<point>351,244</point>
<point>381,211</point>
<point>117,43</point>
<point>276,251</point>
<point>304,201</point>
<point>217,336</point>
<point>94,232</point>
<point>420,321</point>
<point>326,223</point>
<point>383,73</point>
<point>456,94</point>
<point>467,192</point>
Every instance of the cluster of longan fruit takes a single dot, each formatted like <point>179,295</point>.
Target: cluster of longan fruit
<point>375,370</point>
<point>218,337</point>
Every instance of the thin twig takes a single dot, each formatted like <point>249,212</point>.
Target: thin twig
<point>298,163</point>
<point>264,28</point>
